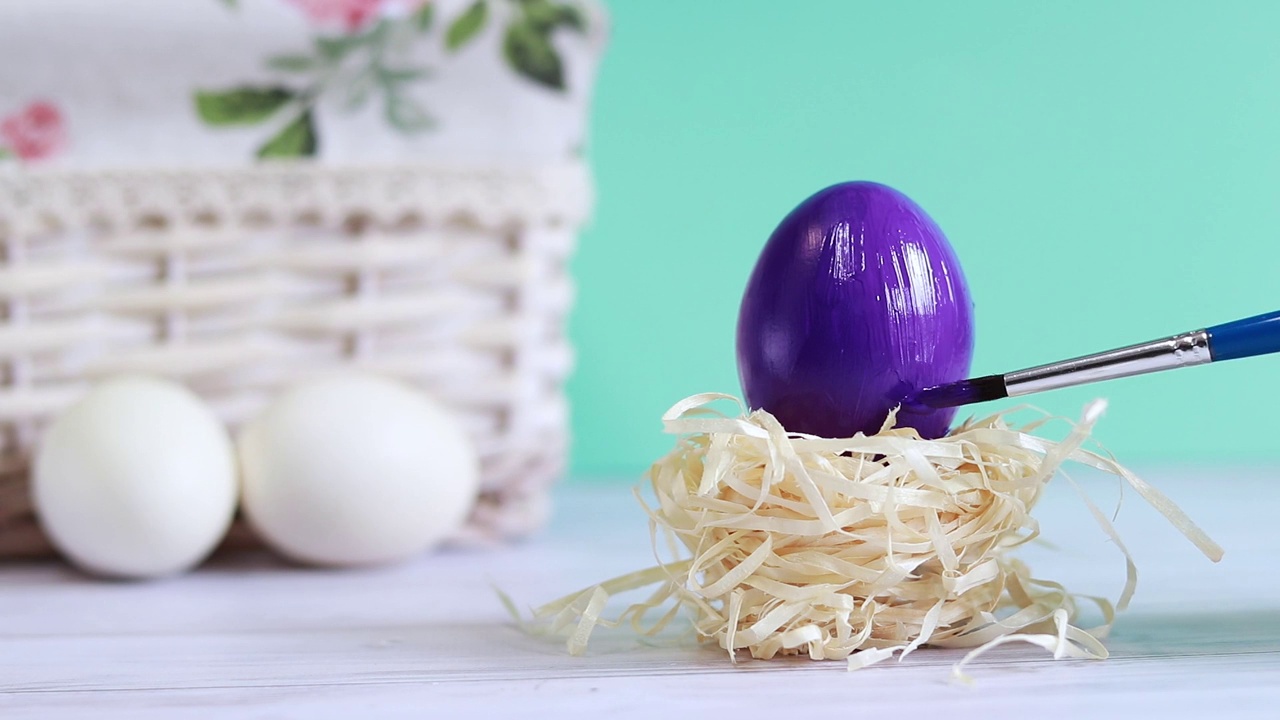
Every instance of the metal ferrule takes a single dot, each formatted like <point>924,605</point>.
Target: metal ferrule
<point>1178,351</point>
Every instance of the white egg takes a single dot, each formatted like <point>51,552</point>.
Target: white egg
<point>137,479</point>
<point>355,469</point>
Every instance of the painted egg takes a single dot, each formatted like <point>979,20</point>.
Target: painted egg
<point>857,300</point>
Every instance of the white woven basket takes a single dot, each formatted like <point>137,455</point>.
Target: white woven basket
<point>238,282</point>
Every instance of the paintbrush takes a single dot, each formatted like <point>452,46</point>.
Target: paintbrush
<point>1258,335</point>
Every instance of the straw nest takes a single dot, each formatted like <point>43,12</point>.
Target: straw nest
<point>856,548</point>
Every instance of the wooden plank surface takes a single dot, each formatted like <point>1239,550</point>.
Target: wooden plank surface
<point>248,636</point>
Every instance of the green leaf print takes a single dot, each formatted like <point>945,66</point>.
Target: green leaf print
<point>240,106</point>
<point>529,51</point>
<point>467,25</point>
<point>297,139</point>
<point>293,63</point>
<point>335,48</point>
<point>406,115</point>
<point>424,17</point>
<point>571,16</point>
<point>395,76</point>
<point>359,90</point>
<point>546,16</point>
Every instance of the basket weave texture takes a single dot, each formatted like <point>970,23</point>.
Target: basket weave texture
<point>240,282</point>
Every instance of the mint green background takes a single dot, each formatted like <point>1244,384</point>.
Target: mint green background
<point>1107,171</point>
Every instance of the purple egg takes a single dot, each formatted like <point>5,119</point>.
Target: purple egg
<point>857,300</point>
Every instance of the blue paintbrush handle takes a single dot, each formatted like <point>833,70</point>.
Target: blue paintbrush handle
<point>1258,335</point>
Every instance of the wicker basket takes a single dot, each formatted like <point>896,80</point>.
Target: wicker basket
<point>238,282</point>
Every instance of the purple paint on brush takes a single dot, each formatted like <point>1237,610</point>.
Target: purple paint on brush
<point>965,392</point>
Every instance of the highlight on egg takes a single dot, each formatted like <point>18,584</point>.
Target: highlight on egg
<point>857,300</point>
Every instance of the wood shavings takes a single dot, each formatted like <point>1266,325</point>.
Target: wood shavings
<point>858,548</point>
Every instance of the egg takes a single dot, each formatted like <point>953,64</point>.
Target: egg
<point>356,469</point>
<point>135,480</point>
<point>856,301</point>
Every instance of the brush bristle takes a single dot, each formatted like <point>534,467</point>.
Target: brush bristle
<point>965,392</point>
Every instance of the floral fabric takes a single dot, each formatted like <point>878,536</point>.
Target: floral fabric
<point>33,133</point>
<point>229,82</point>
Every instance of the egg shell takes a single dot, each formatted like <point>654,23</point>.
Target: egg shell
<point>137,479</point>
<point>356,469</point>
<point>856,300</point>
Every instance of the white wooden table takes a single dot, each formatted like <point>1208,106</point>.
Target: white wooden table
<point>250,637</point>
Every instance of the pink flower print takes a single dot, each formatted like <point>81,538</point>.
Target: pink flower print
<point>352,15</point>
<point>35,132</point>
